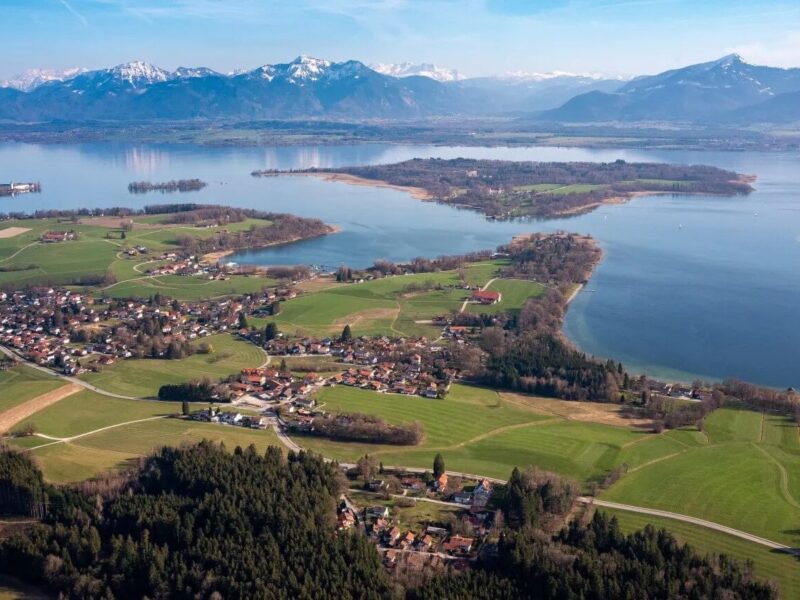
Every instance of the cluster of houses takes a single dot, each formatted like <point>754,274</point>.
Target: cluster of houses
<point>437,543</point>
<point>68,330</point>
<point>215,415</point>
<point>381,364</point>
<point>271,385</point>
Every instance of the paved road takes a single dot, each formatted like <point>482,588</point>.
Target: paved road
<point>693,520</point>
<point>290,444</point>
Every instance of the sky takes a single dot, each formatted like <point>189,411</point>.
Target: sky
<point>476,37</point>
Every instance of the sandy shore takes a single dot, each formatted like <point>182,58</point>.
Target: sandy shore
<point>416,192</point>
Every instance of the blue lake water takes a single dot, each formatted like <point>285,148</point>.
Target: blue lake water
<point>689,286</point>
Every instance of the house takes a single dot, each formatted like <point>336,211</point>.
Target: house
<point>378,512</point>
<point>464,498</point>
<point>487,296</point>
<point>458,545</point>
<point>50,237</point>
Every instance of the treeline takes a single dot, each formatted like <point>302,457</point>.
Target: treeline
<point>115,211</point>
<point>201,522</point>
<point>787,401</point>
<point>283,229</point>
<point>539,556</point>
<point>203,390</point>
<point>542,364</point>
<point>181,185</point>
<point>668,414</point>
<point>215,213</point>
<point>559,259</point>
<point>369,429</point>
<point>526,351</point>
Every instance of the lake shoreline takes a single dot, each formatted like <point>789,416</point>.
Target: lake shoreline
<point>213,257</point>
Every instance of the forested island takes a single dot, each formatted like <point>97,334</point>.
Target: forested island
<point>508,189</point>
<point>167,187</point>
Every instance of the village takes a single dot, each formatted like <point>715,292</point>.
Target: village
<point>456,537</point>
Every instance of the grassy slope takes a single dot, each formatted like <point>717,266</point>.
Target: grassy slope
<point>121,447</point>
<point>87,411</point>
<point>514,294</point>
<point>142,378</point>
<point>767,564</point>
<point>92,254</point>
<point>387,306</point>
<point>741,477</point>
<point>479,432</point>
<point>22,383</point>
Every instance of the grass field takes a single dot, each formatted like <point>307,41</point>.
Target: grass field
<point>514,294</point>
<point>143,377</point>
<point>746,475</point>
<point>396,305</point>
<point>27,261</point>
<point>121,447</point>
<point>767,564</point>
<point>87,411</point>
<point>23,383</point>
<point>480,431</point>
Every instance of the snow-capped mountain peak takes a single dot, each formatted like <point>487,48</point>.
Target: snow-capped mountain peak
<point>139,73</point>
<point>307,67</point>
<point>407,69</point>
<point>191,72</point>
<point>33,78</point>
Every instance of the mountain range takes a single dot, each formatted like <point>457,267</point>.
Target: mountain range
<point>724,90</point>
<point>727,90</point>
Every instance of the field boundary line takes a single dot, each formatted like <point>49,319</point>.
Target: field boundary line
<point>94,431</point>
<point>784,475</point>
<point>19,413</point>
<point>693,520</point>
<point>18,251</point>
<point>658,460</point>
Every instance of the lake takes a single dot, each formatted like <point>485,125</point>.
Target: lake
<point>689,286</point>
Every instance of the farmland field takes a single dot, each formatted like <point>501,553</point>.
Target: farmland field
<point>767,564</point>
<point>746,476</point>
<point>23,383</point>
<point>143,377</point>
<point>401,305</point>
<point>514,294</point>
<point>27,261</point>
<point>480,431</point>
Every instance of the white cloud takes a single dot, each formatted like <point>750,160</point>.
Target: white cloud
<point>778,52</point>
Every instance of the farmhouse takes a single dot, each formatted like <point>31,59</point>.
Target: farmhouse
<point>487,297</point>
<point>50,237</point>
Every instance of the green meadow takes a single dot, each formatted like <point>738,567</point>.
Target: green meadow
<point>143,377</point>
<point>480,431</point>
<point>25,260</point>
<point>746,475</point>
<point>742,471</point>
<point>514,294</point>
<point>22,383</point>
<point>400,305</point>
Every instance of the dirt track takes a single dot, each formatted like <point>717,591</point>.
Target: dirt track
<point>10,232</point>
<point>21,412</point>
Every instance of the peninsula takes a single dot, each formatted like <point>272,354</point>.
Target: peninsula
<point>509,189</point>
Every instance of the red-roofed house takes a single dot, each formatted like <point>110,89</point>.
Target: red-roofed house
<point>487,296</point>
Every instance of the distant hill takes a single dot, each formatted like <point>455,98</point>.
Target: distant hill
<point>709,92</point>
